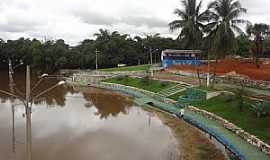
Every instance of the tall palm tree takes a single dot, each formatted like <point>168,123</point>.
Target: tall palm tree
<point>259,32</point>
<point>224,21</point>
<point>190,22</point>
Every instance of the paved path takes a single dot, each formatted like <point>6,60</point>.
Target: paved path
<point>250,152</point>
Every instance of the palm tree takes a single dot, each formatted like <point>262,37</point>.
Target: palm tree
<point>224,21</point>
<point>259,32</point>
<point>190,22</point>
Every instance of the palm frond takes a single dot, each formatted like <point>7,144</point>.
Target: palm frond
<point>176,25</point>
<point>180,13</point>
<point>199,8</point>
<point>238,29</point>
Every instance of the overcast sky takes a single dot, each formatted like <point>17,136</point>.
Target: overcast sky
<point>75,20</point>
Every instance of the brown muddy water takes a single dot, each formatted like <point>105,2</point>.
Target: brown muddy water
<point>88,124</point>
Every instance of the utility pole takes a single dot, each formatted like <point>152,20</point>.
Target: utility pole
<point>28,116</point>
<point>97,59</point>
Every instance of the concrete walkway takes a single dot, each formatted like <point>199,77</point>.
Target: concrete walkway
<point>250,152</point>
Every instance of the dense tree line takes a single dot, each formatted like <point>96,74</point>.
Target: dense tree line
<point>215,30</point>
<point>113,48</point>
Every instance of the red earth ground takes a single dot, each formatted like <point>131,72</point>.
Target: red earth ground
<point>241,67</point>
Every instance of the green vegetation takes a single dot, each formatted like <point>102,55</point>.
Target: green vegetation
<point>212,30</point>
<point>247,119</point>
<point>114,48</point>
<point>191,23</point>
<point>129,68</point>
<point>152,85</point>
<point>176,96</point>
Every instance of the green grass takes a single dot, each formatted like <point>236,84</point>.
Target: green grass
<point>176,96</point>
<point>247,119</point>
<point>129,68</point>
<point>153,85</point>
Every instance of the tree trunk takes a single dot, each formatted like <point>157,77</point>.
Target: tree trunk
<point>214,75</point>
<point>198,76</point>
<point>256,56</point>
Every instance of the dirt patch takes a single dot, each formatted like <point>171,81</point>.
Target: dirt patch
<point>241,67</point>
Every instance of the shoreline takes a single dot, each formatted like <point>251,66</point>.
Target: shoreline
<point>234,143</point>
<point>192,144</point>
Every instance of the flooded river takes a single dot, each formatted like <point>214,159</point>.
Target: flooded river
<point>85,124</point>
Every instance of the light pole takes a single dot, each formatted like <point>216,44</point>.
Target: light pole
<point>28,116</point>
<point>28,108</point>
<point>27,101</point>
<point>97,58</point>
<point>151,55</point>
<point>11,87</point>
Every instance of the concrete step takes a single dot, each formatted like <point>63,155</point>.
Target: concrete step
<point>173,90</point>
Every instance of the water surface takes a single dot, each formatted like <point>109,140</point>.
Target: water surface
<point>89,124</point>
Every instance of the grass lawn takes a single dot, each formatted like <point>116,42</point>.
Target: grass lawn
<point>129,68</point>
<point>153,85</point>
<point>247,119</point>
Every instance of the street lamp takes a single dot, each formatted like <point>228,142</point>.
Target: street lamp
<point>27,101</point>
<point>44,75</point>
<point>49,89</point>
<point>97,58</point>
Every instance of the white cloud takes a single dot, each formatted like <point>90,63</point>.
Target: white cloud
<point>75,20</point>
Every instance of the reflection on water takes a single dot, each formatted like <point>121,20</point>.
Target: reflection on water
<point>100,100</point>
<point>87,124</point>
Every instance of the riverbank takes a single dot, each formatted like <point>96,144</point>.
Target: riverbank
<point>191,143</point>
<point>232,140</point>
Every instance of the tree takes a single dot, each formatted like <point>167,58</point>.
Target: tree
<point>191,25</point>
<point>259,32</point>
<point>224,21</point>
<point>190,22</point>
<point>243,46</point>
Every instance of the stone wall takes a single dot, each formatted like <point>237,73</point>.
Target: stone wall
<point>264,147</point>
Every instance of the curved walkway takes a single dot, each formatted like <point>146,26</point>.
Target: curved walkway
<point>250,152</point>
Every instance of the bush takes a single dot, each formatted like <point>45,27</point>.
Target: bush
<point>145,80</point>
<point>121,77</point>
<point>164,83</point>
<point>227,98</point>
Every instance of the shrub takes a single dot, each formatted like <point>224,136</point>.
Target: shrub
<point>227,97</point>
<point>164,83</point>
<point>145,80</point>
<point>121,77</point>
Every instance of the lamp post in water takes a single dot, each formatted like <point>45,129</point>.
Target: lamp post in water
<point>11,88</point>
<point>27,101</point>
<point>28,108</point>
